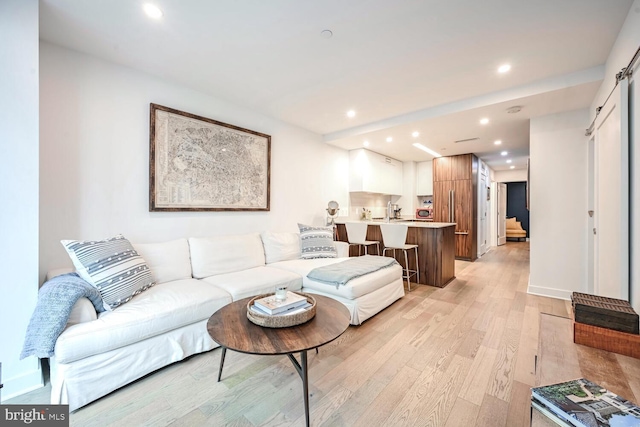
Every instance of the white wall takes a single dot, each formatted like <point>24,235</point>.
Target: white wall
<point>623,50</point>
<point>95,151</point>
<point>621,53</point>
<point>558,195</point>
<point>18,190</point>
<point>516,175</point>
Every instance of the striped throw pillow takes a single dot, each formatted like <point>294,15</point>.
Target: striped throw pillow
<point>317,242</point>
<point>112,266</point>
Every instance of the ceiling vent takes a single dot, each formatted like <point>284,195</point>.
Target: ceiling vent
<point>514,109</point>
<point>466,140</point>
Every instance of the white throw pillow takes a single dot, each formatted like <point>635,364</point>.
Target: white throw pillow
<point>211,256</point>
<point>168,261</point>
<point>280,246</point>
<point>112,266</point>
<point>316,242</point>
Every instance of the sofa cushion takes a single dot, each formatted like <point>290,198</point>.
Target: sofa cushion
<point>316,242</point>
<point>160,309</point>
<point>167,260</point>
<point>255,281</point>
<point>225,254</point>
<point>280,246</point>
<point>113,266</point>
<point>353,289</point>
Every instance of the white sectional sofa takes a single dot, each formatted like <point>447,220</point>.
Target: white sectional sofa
<point>98,353</point>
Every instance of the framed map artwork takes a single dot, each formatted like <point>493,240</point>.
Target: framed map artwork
<point>200,164</point>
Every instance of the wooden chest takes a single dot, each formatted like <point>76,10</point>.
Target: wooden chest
<point>604,312</point>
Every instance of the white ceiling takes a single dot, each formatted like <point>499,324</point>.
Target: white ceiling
<point>401,64</point>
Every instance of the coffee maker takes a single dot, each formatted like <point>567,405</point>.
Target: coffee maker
<point>395,209</point>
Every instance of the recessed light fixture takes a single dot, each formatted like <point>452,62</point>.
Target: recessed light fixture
<point>415,134</point>
<point>509,161</point>
<point>428,150</point>
<point>389,139</point>
<point>484,121</point>
<point>152,11</point>
<point>504,68</point>
<point>326,34</point>
<point>351,113</point>
<point>504,153</point>
<point>365,143</point>
<point>512,167</point>
<point>497,142</point>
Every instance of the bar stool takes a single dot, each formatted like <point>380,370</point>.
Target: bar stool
<point>357,235</point>
<point>394,236</point>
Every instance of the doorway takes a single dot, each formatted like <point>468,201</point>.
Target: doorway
<point>517,204</point>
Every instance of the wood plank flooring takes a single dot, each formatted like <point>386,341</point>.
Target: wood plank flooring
<point>459,356</point>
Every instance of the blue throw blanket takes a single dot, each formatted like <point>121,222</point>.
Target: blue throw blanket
<point>341,272</point>
<point>55,301</point>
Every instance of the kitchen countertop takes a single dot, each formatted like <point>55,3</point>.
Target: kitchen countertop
<point>410,222</point>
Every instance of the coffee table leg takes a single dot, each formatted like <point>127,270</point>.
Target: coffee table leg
<point>305,384</point>
<point>304,374</point>
<point>224,353</point>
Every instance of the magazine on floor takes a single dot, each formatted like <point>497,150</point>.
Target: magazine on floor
<point>585,404</point>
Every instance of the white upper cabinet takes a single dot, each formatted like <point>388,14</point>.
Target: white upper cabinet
<point>424,186</point>
<point>374,173</point>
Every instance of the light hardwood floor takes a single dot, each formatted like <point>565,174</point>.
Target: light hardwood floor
<point>459,356</point>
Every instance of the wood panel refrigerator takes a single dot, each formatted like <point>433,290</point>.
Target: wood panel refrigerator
<point>455,188</point>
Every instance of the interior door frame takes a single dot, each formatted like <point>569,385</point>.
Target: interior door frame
<point>591,224</point>
<point>501,213</point>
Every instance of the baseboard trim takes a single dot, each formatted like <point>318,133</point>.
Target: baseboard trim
<point>21,384</point>
<point>550,292</point>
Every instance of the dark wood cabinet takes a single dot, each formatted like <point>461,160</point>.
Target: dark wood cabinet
<point>455,185</point>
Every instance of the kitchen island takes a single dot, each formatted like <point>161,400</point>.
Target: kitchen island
<point>436,247</point>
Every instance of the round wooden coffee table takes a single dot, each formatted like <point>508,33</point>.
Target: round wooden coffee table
<point>230,328</point>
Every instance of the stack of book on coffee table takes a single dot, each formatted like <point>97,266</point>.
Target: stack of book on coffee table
<point>582,403</point>
<point>272,306</point>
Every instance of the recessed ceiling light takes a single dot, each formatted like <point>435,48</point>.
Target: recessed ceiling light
<point>389,139</point>
<point>509,161</point>
<point>351,113</point>
<point>365,143</point>
<point>497,142</point>
<point>512,167</point>
<point>152,11</point>
<point>415,134</point>
<point>484,121</point>
<point>428,150</point>
<point>504,68</point>
<point>326,34</point>
<point>504,153</point>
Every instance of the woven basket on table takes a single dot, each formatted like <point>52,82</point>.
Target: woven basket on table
<point>281,320</point>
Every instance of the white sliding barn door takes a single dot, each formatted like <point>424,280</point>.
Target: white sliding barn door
<point>502,214</point>
<point>611,185</point>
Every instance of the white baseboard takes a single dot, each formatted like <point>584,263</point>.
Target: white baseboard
<point>21,384</point>
<point>549,292</point>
